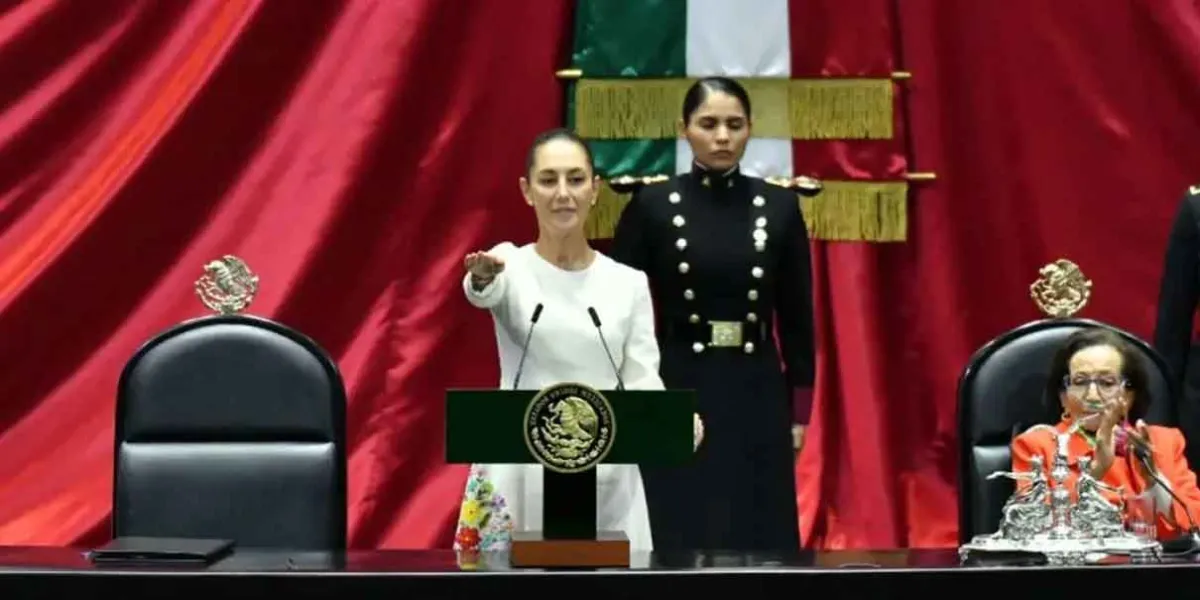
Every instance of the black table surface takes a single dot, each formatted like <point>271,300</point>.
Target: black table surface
<point>55,572</point>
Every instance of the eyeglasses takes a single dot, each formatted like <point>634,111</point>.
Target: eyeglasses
<point>1106,385</point>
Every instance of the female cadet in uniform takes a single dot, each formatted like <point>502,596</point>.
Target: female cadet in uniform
<point>727,256</point>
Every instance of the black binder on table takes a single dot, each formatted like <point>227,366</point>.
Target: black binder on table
<point>157,551</point>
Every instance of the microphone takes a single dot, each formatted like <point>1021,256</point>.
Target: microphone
<point>1187,542</point>
<point>1130,443</point>
<point>537,313</point>
<point>616,371</point>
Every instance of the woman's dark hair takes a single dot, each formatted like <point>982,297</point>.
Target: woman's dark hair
<point>1133,369</point>
<point>702,89</point>
<point>558,133</point>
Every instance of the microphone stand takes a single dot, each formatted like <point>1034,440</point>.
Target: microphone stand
<point>616,370</point>
<point>537,313</point>
<point>1187,542</point>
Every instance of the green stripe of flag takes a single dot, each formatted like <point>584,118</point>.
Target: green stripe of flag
<point>629,38</point>
<point>615,158</point>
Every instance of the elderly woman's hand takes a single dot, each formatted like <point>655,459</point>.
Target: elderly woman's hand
<point>1106,438</point>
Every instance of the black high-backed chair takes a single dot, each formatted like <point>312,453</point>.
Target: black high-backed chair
<point>232,427</point>
<point>1002,393</point>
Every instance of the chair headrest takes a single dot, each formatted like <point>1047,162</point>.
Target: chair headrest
<point>230,377</point>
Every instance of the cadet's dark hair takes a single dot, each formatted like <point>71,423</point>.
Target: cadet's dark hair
<point>702,89</point>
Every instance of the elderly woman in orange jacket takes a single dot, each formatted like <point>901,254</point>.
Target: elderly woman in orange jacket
<point>1102,387</point>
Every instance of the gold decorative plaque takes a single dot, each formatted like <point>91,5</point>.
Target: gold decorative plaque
<point>1061,289</point>
<point>227,286</point>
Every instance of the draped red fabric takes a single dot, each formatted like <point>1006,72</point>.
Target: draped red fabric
<point>1065,129</point>
<point>350,152</point>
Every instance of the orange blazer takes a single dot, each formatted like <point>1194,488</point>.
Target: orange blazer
<point>1171,519</point>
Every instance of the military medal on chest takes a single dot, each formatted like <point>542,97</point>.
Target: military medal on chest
<point>724,334</point>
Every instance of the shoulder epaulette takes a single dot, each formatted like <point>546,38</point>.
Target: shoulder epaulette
<point>627,183</point>
<point>805,186</point>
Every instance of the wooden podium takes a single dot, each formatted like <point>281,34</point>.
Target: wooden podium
<point>569,429</point>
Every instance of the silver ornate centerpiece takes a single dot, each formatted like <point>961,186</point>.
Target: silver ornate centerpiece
<point>1043,516</point>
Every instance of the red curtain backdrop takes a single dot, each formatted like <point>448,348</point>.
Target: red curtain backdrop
<point>1063,129</point>
<point>352,152</point>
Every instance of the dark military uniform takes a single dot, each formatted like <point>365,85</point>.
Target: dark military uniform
<point>1174,338</point>
<point>727,256</point>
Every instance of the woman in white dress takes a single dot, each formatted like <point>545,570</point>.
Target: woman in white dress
<point>563,274</point>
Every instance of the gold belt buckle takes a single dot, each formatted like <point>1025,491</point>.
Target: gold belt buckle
<point>725,334</point>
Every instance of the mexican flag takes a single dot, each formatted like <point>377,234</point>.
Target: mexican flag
<point>633,60</point>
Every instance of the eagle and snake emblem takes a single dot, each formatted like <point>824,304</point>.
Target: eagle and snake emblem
<point>227,286</point>
<point>569,428</point>
<point>1061,290</point>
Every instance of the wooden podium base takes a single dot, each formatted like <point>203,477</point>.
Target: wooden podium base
<point>609,549</point>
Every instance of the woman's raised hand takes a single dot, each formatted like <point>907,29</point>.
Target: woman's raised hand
<point>483,268</point>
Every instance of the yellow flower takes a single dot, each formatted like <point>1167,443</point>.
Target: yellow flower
<point>471,513</point>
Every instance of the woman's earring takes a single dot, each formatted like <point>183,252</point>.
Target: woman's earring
<point>1066,416</point>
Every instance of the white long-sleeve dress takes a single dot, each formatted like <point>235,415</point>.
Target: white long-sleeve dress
<point>565,346</point>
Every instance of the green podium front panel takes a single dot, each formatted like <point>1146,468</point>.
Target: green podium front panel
<point>653,428</point>
<point>649,428</point>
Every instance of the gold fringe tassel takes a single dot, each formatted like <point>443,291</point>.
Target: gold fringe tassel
<point>602,221</point>
<point>849,211</point>
<point>858,211</point>
<point>827,108</point>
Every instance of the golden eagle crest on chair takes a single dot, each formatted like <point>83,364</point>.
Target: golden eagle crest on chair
<point>1061,290</point>
<point>227,285</point>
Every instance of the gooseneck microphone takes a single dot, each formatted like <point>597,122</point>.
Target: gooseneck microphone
<point>600,332</point>
<point>1187,542</point>
<point>537,313</point>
